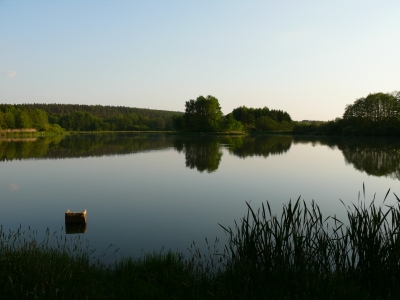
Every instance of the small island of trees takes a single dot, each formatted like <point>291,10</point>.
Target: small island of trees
<point>204,114</point>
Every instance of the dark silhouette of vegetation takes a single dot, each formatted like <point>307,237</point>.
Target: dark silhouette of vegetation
<point>261,146</point>
<point>377,107</point>
<point>375,156</point>
<point>203,154</point>
<point>74,146</point>
<point>375,115</point>
<point>296,254</point>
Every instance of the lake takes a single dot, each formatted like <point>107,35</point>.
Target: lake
<point>145,192</point>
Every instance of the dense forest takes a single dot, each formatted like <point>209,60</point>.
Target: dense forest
<point>377,115</point>
<point>202,115</point>
<point>58,117</point>
<point>262,119</point>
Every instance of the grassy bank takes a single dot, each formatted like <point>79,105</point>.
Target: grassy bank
<point>179,133</point>
<point>297,254</point>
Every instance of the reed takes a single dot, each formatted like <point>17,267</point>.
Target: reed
<point>297,254</point>
<point>304,252</point>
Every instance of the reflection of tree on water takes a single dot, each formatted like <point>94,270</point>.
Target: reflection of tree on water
<point>61,146</point>
<point>261,146</point>
<point>205,154</point>
<point>26,148</point>
<point>202,154</point>
<point>377,157</point>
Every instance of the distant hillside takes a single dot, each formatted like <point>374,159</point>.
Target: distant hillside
<point>84,117</point>
<point>95,110</point>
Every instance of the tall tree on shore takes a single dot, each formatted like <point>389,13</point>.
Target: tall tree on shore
<point>203,114</point>
<point>379,107</point>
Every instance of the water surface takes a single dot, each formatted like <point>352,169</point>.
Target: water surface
<point>157,191</point>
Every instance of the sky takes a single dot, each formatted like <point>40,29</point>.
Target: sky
<point>308,58</point>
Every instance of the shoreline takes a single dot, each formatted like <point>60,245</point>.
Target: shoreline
<point>265,258</point>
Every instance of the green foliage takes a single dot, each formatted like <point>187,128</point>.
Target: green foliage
<point>377,107</point>
<point>39,119</point>
<point>23,120</point>
<point>203,114</point>
<point>375,115</point>
<point>178,122</point>
<point>9,119</point>
<point>262,119</point>
<point>266,124</point>
<point>84,117</point>
<point>229,123</point>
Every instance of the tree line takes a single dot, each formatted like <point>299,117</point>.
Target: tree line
<point>15,116</point>
<point>59,117</point>
<point>377,114</point>
<point>203,114</point>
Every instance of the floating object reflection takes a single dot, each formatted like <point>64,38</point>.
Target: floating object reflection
<point>75,222</point>
<point>74,228</point>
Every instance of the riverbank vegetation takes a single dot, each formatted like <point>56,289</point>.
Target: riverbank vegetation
<point>201,115</point>
<point>262,119</point>
<point>297,254</point>
<point>70,117</point>
<point>375,115</point>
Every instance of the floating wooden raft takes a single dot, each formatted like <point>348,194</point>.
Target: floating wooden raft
<point>75,217</point>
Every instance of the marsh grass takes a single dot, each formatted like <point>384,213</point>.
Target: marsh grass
<point>308,254</point>
<point>298,254</point>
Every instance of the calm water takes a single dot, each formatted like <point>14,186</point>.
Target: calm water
<point>153,191</point>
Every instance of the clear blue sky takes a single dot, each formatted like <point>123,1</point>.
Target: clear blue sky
<point>309,58</point>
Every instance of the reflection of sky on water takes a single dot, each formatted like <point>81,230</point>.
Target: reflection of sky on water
<point>150,200</point>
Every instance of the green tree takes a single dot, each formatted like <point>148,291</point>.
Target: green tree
<point>9,119</point>
<point>377,107</point>
<point>257,118</point>
<point>23,120</point>
<point>178,122</point>
<point>203,114</point>
<point>231,124</point>
<point>39,119</point>
<point>266,124</point>
<point>2,122</point>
